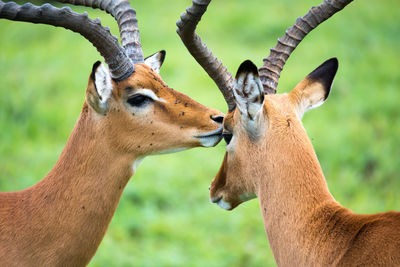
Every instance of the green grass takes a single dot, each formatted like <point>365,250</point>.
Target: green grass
<point>165,217</point>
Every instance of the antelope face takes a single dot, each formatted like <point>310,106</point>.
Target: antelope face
<point>143,116</point>
<point>255,131</point>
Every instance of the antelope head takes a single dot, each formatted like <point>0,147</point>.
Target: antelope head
<point>146,115</point>
<point>258,128</point>
<point>131,106</point>
<point>256,125</point>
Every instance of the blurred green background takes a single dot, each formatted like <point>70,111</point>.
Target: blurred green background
<point>165,217</point>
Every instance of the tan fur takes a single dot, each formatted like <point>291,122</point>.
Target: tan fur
<point>304,224</point>
<point>61,220</point>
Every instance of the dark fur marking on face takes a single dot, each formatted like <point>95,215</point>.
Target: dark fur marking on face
<point>156,78</point>
<point>85,109</point>
<point>245,82</point>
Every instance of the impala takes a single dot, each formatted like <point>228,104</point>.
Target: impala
<point>269,156</point>
<point>129,113</point>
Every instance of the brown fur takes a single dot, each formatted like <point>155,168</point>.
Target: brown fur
<point>61,220</point>
<point>304,224</point>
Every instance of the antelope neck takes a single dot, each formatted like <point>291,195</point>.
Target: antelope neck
<point>67,213</point>
<point>291,191</point>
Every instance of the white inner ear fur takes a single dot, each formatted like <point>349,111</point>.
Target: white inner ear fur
<point>249,96</point>
<point>311,97</point>
<point>103,84</point>
<point>154,61</point>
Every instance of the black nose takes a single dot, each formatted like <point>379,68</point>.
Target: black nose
<point>218,119</point>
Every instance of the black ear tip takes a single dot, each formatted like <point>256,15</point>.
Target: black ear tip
<point>247,66</point>
<point>325,73</point>
<point>94,68</point>
<point>163,53</point>
<point>332,62</point>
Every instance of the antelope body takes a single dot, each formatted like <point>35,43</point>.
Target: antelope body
<point>269,156</point>
<point>129,113</point>
<point>273,159</point>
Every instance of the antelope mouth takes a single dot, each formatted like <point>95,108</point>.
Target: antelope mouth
<point>211,138</point>
<point>221,203</point>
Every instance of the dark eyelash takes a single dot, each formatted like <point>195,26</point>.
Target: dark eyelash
<point>138,100</point>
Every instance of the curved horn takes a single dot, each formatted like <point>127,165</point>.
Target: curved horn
<point>214,67</point>
<point>125,15</point>
<point>119,64</point>
<point>273,64</point>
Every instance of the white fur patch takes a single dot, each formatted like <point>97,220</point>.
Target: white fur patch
<point>312,96</point>
<point>210,141</point>
<point>149,93</point>
<point>155,61</point>
<point>249,95</point>
<point>224,205</point>
<point>247,196</point>
<point>103,84</point>
<point>170,150</point>
<point>136,163</point>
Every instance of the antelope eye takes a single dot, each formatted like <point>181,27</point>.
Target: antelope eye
<point>139,100</point>
<point>227,137</point>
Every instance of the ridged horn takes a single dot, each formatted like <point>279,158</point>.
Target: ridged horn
<point>273,64</point>
<point>125,16</point>
<point>114,55</point>
<point>210,63</point>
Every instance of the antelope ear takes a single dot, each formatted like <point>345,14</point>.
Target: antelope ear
<point>248,91</point>
<point>99,89</point>
<point>156,60</point>
<point>314,89</point>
